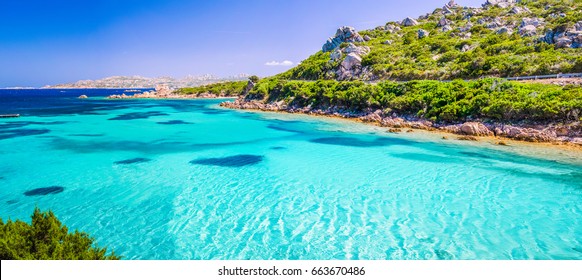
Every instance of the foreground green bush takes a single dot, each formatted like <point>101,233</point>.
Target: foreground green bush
<point>47,239</point>
<point>486,99</point>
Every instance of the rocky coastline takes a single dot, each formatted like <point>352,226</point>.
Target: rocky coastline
<point>165,92</point>
<point>570,134</point>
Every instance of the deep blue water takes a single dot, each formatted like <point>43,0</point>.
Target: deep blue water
<point>186,179</point>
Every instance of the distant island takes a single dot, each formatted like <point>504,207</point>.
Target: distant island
<point>143,82</point>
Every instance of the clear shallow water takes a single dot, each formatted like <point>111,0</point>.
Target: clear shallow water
<point>184,179</point>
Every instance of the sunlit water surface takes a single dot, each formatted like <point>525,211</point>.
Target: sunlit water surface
<point>186,179</point>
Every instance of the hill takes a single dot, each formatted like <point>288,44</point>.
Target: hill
<point>396,75</point>
<point>504,38</point>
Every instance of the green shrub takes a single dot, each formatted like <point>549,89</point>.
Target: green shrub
<point>47,239</point>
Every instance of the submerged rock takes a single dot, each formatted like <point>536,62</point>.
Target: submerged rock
<point>232,161</point>
<point>83,96</point>
<point>132,161</point>
<point>44,191</point>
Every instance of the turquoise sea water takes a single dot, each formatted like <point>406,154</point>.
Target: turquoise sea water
<point>186,179</point>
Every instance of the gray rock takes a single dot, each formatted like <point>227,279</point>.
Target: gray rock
<point>504,30</point>
<point>452,4</point>
<point>387,42</point>
<point>443,21</point>
<point>351,48</point>
<point>367,38</point>
<point>447,28</point>
<point>422,33</point>
<point>409,22</point>
<point>517,10</point>
<point>532,21</point>
<point>466,28</point>
<point>549,37</point>
<point>528,31</point>
<point>500,3</point>
<point>447,10</point>
<point>564,42</point>
<point>466,48</point>
<point>336,55</point>
<point>350,67</point>
<point>343,34</point>
<point>578,26</point>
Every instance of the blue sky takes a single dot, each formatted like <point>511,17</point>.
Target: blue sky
<point>58,41</point>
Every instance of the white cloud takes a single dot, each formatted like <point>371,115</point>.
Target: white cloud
<point>279,63</point>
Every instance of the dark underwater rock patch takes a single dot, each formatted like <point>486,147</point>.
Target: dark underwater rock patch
<point>174,122</point>
<point>355,142</point>
<point>44,191</point>
<point>12,201</point>
<point>277,148</point>
<point>15,133</point>
<point>132,161</point>
<point>87,135</point>
<point>232,161</point>
<point>137,115</point>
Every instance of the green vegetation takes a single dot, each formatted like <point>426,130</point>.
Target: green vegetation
<point>441,56</point>
<point>47,239</point>
<point>485,99</point>
<point>225,89</point>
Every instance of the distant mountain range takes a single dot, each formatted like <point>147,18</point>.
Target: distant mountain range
<point>143,82</point>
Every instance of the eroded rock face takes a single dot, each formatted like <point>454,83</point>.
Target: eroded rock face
<point>475,129</point>
<point>342,35</point>
<point>578,26</point>
<point>409,22</point>
<point>350,67</point>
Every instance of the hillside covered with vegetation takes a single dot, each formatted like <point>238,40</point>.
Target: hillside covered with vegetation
<point>219,89</point>
<point>503,39</point>
<point>46,238</point>
<point>484,99</point>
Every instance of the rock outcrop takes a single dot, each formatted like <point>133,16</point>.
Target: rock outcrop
<point>351,66</point>
<point>83,97</point>
<point>409,22</point>
<point>343,34</point>
<point>475,129</point>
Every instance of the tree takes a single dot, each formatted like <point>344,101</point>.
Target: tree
<point>47,239</point>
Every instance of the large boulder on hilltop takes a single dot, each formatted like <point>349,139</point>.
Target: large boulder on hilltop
<point>409,22</point>
<point>342,35</point>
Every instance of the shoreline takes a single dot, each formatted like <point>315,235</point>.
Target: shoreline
<point>156,95</point>
<point>497,134</point>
